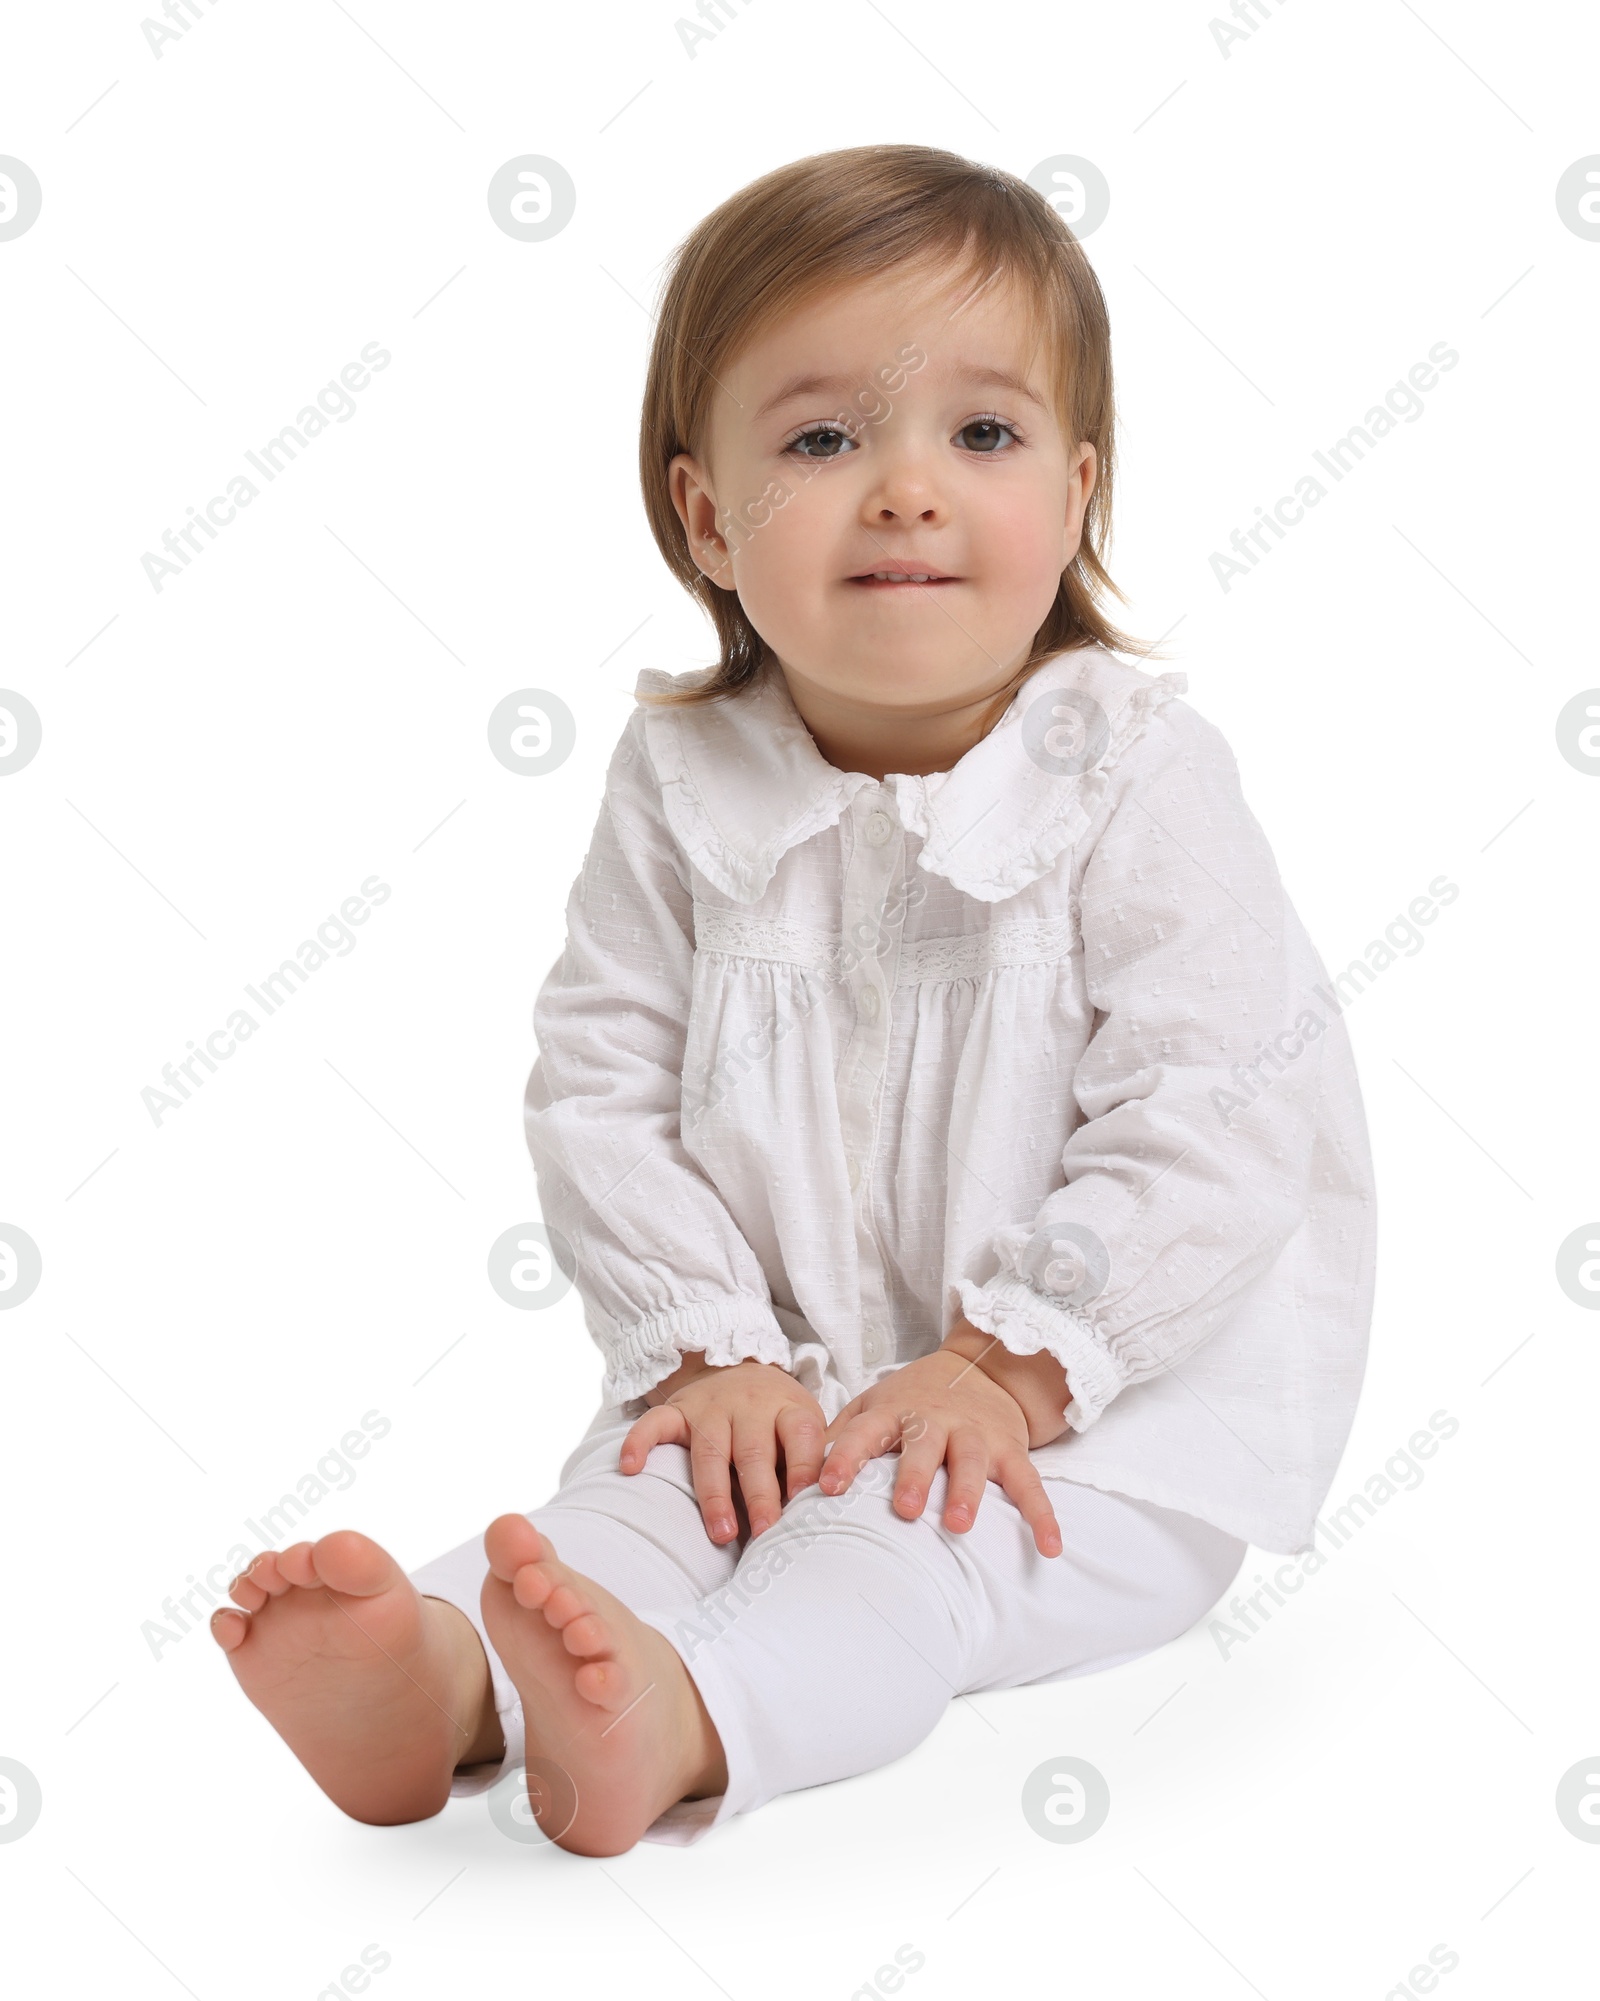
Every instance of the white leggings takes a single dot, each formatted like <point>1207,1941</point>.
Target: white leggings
<point>832,1644</point>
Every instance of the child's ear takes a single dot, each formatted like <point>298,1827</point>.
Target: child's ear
<point>1085,472</point>
<point>690,485</point>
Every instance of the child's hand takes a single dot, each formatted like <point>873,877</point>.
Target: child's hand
<point>943,1410</point>
<point>742,1416</point>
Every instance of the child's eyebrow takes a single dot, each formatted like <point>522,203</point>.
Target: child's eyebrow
<point>961,372</point>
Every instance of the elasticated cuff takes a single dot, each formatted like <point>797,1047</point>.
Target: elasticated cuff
<point>1028,1324</point>
<point>736,1328</point>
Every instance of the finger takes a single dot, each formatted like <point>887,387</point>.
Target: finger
<point>922,1450</point>
<point>851,1409</point>
<point>665,1425</point>
<point>1019,1477</point>
<point>801,1434</point>
<point>967,1471</point>
<point>709,1443</point>
<point>867,1436</point>
<point>755,1456</point>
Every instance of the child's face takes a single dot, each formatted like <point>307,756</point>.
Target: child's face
<point>910,453</point>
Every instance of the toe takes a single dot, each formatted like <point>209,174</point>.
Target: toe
<point>245,1591</point>
<point>351,1562</point>
<point>563,1606</point>
<point>587,1635</point>
<point>266,1576</point>
<point>509,1542</point>
<point>532,1586</point>
<point>606,1683</point>
<point>294,1566</point>
<point>590,1680</point>
<point>229,1628</point>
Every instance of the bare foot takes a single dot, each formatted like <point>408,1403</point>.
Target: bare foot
<point>378,1691</point>
<point>604,1696</point>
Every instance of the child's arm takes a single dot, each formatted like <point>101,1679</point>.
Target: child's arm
<point>662,1267</point>
<point>1192,1167</point>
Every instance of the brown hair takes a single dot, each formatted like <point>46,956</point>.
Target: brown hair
<point>838,218</point>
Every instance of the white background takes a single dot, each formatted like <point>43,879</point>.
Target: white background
<point>1292,227</point>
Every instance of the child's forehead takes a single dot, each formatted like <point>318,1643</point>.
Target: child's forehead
<point>952,324</point>
<point>939,292</point>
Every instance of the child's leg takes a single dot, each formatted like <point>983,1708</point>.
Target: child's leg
<point>393,1700</point>
<point>845,1630</point>
<point>640,1536</point>
<point>831,1647</point>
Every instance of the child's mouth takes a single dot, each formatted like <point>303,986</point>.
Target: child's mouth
<point>891,580</point>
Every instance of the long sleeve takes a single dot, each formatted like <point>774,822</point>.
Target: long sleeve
<point>661,1266</point>
<point>1198,1090</point>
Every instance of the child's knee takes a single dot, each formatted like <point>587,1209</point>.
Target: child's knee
<point>866,1506</point>
<point>667,1462</point>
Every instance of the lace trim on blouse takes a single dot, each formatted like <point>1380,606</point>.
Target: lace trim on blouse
<point>1034,941</point>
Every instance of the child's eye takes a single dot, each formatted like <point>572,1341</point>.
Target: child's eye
<point>987,446</point>
<point>833,440</point>
<point>820,431</point>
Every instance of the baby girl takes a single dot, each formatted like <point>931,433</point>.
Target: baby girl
<point>971,1206</point>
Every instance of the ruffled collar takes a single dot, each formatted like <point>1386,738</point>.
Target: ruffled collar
<point>742,781</point>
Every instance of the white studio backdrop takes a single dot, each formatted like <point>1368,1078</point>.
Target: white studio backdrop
<point>235,204</point>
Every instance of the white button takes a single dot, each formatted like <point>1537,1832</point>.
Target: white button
<point>879,827</point>
<point>872,1346</point>
<point>869,1002</point>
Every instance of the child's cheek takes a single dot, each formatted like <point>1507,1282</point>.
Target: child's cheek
<point>786,555</point>
<point>1023,549</point>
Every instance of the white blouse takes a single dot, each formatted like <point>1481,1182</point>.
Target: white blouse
<point>827,1062</point>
